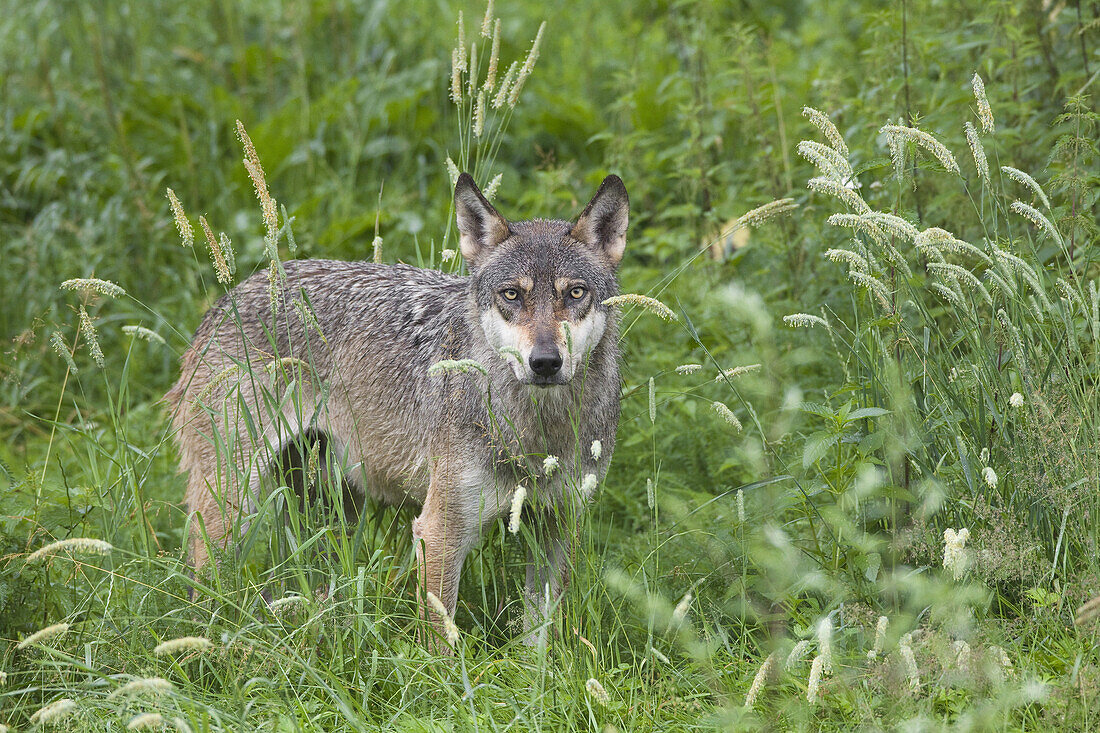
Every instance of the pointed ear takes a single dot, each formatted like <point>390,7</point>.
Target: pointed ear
<point>602,224</point>
<point>480,227</point>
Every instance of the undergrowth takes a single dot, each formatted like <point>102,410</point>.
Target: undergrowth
<point>855,475</point>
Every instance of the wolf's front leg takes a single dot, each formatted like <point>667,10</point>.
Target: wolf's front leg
<point>548,565</point>
<point>444,534</point>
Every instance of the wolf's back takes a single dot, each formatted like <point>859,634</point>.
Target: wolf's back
<point>372,327</point>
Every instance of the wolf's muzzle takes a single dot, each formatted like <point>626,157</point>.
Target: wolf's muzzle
<point>545,361</point>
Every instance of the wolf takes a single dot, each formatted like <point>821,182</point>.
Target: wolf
<point>451,393</point>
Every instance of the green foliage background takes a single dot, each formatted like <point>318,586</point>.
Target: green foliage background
<point>848,477</point>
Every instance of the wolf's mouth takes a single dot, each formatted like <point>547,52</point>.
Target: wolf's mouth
<point>555,381</point>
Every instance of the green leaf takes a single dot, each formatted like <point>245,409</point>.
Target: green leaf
<point>816,446</point>
<point>867,412</point>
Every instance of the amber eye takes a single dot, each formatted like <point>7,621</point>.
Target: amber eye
<point>577,293</point>
<point>510,293</point>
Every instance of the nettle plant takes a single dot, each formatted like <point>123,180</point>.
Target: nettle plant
<point>970,355</point>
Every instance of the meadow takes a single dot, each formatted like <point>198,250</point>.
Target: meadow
<point>857,478</point>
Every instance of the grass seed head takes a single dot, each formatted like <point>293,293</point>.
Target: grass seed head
<point>759,215</point>
<point>737,372</point>
<point>588,485</point>
<point>1036,217</point>
<point>528,67</point>
<point>487,21</point>
<point>923,139</point>
<point>494,61</point>
<point>685,369</point>
<point>822,122</point>
<point>727,414</point>
<point>55,712</point>
<point>597,691</point>
<point>72,546</point>
<point>549,465</point>
<point>831,163</point>
<point>182,645</point>
<point>880,638</point>
<point>479,114</point>
<point>805,320</point>
<point>1016,400</point>
<point>831,187</point>
<point>825,641</point>
<point>151,686</point>
<point>94,285</point>
<point>456,78</point>
<point>644,302</point>
<point>680,612</point>
<point>985,114</point>
<point>1020,177</point>
<point>516,510</point>
<point>978,152</point>
<point>905,649</point>
<point>471,87</point>
<point>88,329</point>
<point>187,234</point>
<point>144,333</point>
<point>290,604</point>
<point>506,85</point>
<point>797,654</point>
<point>759,680</point>
<point>813,684</point>
<point>990,477</point>
<point>217,254</point>
<point>954,553</point>
<point>596,449</point>
<point>652,402</point>
<point>43,635</point>
<point>57,343</point>
<point>494,185</point>
<point>452,171</point>
<point>464,366</point>
<point>450,631</point>
<point>461,41</point>
<point>146,721</point>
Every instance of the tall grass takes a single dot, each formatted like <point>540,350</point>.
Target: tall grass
<point>774,546</point>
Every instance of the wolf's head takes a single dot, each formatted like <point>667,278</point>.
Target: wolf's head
<point>540,285</point>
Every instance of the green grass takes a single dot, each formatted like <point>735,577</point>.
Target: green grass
<point>861,442</point>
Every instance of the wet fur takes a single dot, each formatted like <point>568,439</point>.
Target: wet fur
<point>455,444</point>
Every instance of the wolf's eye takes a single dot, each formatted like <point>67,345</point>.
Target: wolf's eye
<point>509,293</point>
<point>577,293</point>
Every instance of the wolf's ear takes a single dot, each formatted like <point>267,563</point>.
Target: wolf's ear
<point>602,224</point>
<point>480,227</point>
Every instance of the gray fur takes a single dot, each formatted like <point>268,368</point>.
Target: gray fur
<point>455,444</point>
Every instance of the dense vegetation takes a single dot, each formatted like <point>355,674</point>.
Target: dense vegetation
<point>769,548</point>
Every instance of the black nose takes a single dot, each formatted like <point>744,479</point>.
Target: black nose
<point>545,361</point>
